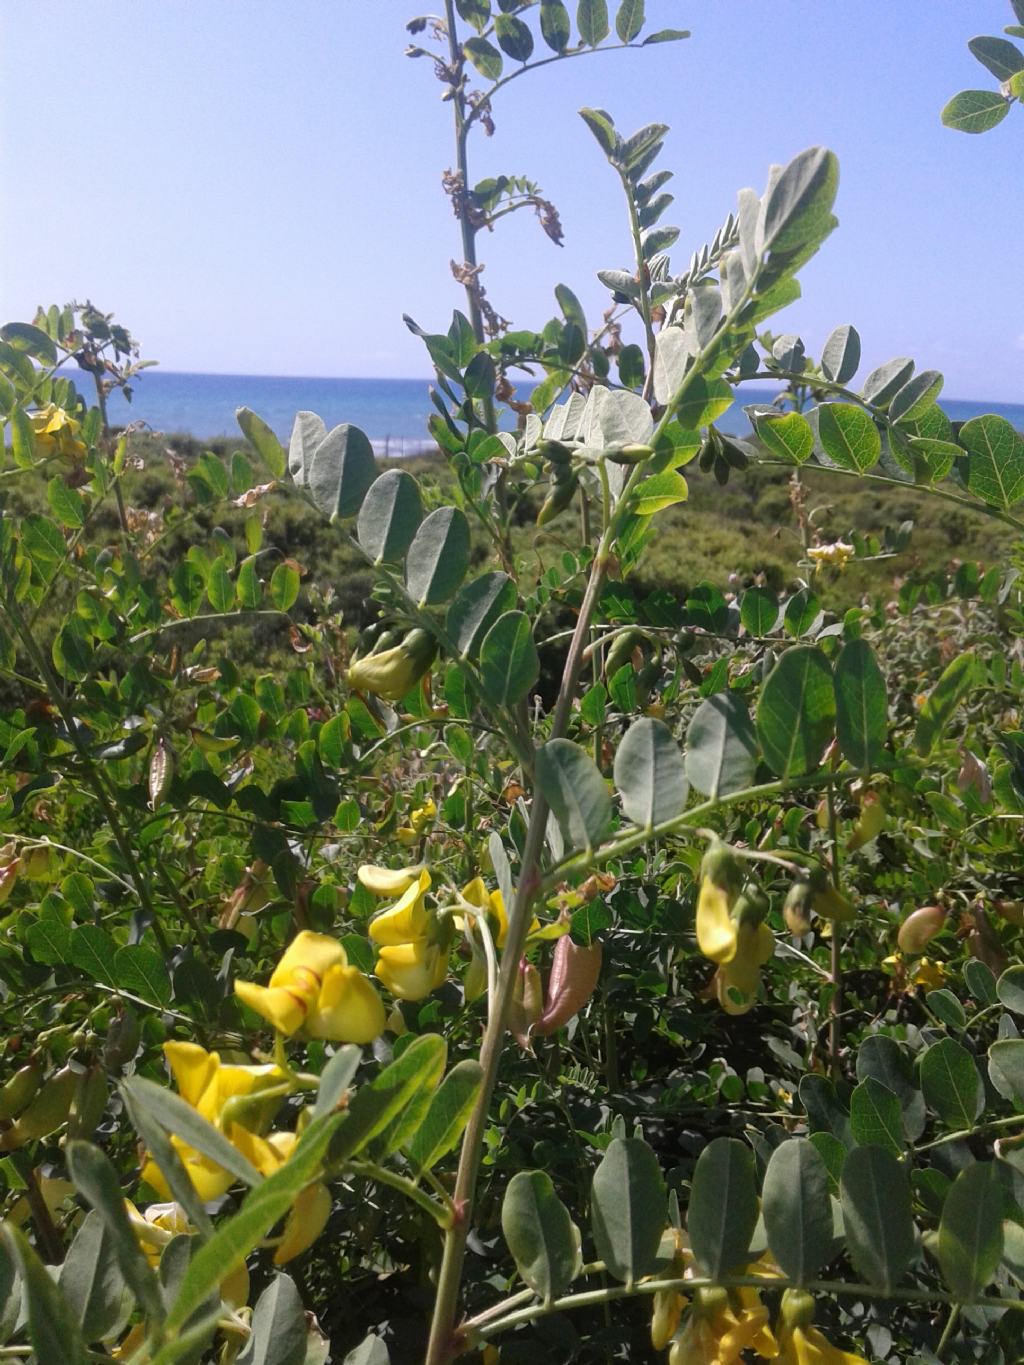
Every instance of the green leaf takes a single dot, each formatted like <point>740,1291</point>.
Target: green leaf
<point>629,19</point>
<point>308,430</point>
<point>592,21</point>
<point>601,125</point>
<point>649,774</point>
<point>628,1209</point>
<point>723,1207</point>
<point>336,1078</point>
<point>759,611</point>
<point>951,1083</point>
<point>796,712</point>
<point>485,57</point>
<point>876,1118</point>
<point>220,590</point>
<point>424,1079</point>
<point>882,1058</point>
<point>1006,1068</point>
<point>341,471</point>
<point>509,665</point>
<point>65,504</point>
<point>475,12</point>
<point>880,1236</point>
<point>370,1351</point>
<point>788,435</point>
<point>554,24</point>
<point>158,1145</point>
<point>848,436</point>
<point>92,950</point>
<point>181,1120</point>
<point>141,970</point>
<point>438,557</point>
<point>975,111</point>
<point>937,457</point>
<point>514,37</point>
<point>278,1325</point>
<point>666,35</point>
<point>476,608</point>
<point>862,705</point>
<point>575,791</point>
<point>30,340</point>
<point>449,1112</point>
<point>703,402</point>
<point>376,1106</point>
<point>90,1279</point>
<point>52,1330</point>
<point>797,1209</point>
<point>97,1180</point>
<point>995,462</point>
<point>797,207</point>
<point>1010,989</point>
<point>912,401</point>
<point>284,585</point>
<point>840,356</point>
<point>658,492</point>
<point>389,517</point>
<point>262,439</point>
<point>886,381</point>
<point>263,1206</point>
<point>955,682</point>
<point>543,1239</point>
<point>970,1243</point>
<point>721,746</point>
<point>480,376</point>
<point>1003,59</point>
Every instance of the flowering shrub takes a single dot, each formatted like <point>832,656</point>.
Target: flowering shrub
<point>542,973</point>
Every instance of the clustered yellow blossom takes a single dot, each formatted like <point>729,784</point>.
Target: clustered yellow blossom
<point>800,1343</point>
<point>924,972</point>
<point>159,1224</point>
<point>730,931</point>
<point>412,951</point>
<point>56,432</point>
<point>836,554</point>
<point>720,1326</point>
<point>313,988</point>
<point>420,821</point>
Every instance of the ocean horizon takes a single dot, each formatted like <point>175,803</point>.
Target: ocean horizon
<point>392,412</point>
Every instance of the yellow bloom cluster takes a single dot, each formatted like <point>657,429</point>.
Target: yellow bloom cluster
<point>720,1326</point>
<point>412,958</point>
<point>56,432</point>
<point>837,554</point>
<point>314,988</point>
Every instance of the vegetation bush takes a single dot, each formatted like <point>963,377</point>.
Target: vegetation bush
<point>532,902</point>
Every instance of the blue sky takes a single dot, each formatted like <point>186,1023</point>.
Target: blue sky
<point>254,187</point>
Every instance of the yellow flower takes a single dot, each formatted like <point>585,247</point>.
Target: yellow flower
<point>836,554</point>
<point>388,881</point>
<point>931,975</point>
<point>737,981</point>
<point>494,903</point>
<point>802,1344</point>
<point>208,1086</point>
<point>721,1327</point>
<point>160,1223</point>
<point>392,673</point>
<point>421,817</point>
<point>308,1216</point>
<point>716,932</point>
<point>412,970</point>
<point>56,433</point>
<point>407,919</point>
<point>314,988</point>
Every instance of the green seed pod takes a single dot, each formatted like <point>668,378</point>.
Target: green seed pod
<point>797,909</point>
<point>122,1040</point>
<point>19,1090</point>
<point>47,1111</point>
<point>734,454</point>
<point>557,500</point>
<point>708,455</point>
<point>554,451</point>
<point>621,652</point>
<point>161,773</point>
<point>89,1103</point>
<point>631,454</point>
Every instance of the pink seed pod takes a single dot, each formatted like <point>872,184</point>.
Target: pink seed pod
<point>920,927</point>
<point>574,974</point>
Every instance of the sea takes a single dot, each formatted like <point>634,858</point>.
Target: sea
<point>392,412</point>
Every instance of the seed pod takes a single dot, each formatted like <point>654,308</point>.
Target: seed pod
<point>827,901</point>
<point>920,927</point>
<point>574,975</point>
<point>88,1104</point>
<point>9,871</point>
<point>47,1111</point>
<point>161,773</point>
<point>554,451</point>
<point>869,823</point>
<point>122,1040</point>
<point>984,943</point>
<point>621,652</point>
<point>394,672</point>
<point>630,454</point>
<point>526,1005</point>
<point>558,499</point>
<point>19,1090</point>
<point>708,454</point>
<point>797,909</point>
<point>734,455</point>
<point>39,864</point>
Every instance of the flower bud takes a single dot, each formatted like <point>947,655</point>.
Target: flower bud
<point>393,673</point>
<point>869,823</point>
<point>797,1309</point>
<point>920,927</point>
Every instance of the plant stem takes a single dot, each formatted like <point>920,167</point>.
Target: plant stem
<point>835,1024</point>
<point>948,1330</point>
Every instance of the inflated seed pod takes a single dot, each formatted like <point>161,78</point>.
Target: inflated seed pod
<point>88,1104</point>
<point>554,451</point>
<point>17,1092</point>
<point>621,652</point>
<point>797,908</point>
<point>629,454</point>
<point>558,499</point>
<point>391,673</point>
<point>161,773</point>
<point>122,1041</point>
<point>920,927</point>
<point>47,1111</point>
